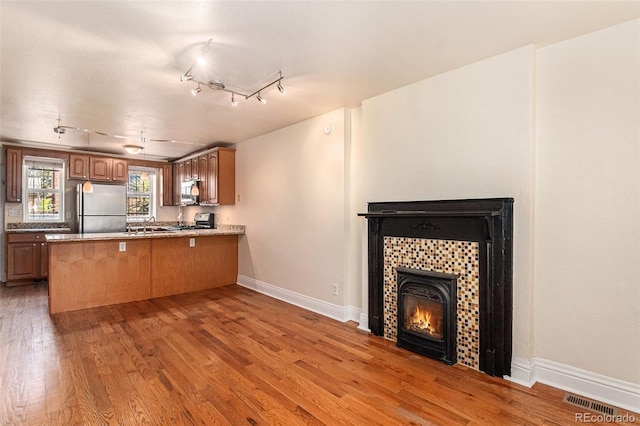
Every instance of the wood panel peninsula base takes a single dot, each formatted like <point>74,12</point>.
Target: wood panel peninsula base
<point>89,271</point>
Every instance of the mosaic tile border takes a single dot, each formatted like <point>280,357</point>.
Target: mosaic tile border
<point>447,256</point>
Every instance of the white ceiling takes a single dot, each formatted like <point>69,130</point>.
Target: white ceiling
<point>115,66</point>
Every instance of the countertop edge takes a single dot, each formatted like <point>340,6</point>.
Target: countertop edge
<point>62,238</point>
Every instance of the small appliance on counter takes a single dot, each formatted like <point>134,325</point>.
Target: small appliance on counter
<point>202,221</point>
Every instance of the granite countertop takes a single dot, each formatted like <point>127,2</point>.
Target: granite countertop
<point>48,230</point>
<point>224,230</point>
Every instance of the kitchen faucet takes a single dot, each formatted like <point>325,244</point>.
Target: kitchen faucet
<point>147,221</point>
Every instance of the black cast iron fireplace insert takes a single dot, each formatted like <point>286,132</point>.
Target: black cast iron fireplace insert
<point>427,305</point>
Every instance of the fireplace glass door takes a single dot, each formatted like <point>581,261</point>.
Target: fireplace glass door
<point>424,315</point>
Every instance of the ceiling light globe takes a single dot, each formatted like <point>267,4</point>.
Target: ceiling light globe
<point>132,149</point>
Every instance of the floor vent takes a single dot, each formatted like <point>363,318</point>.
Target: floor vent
<point>589,404</point>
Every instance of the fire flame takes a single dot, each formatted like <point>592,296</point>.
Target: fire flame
<point>420,320</point>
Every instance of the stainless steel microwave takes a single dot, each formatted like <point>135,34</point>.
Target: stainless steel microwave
<point>190,192</point>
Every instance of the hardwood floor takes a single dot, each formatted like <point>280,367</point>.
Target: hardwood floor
<point>232,356</point>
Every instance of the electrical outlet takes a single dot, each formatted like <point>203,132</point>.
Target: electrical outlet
<point>334,289</point>
<point>192,242</point>
<point>68,215</point>
<point>15,212</point>
<point>122,246</point>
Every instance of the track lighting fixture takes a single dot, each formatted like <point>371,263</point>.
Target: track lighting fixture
<point>219,85</point>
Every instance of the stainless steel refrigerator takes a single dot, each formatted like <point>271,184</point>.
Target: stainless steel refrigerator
<point>103,210</point>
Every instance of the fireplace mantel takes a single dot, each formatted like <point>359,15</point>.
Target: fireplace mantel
<point>488,222</point>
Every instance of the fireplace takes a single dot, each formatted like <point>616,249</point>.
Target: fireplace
<point>427,313</point>
<point>469,238</point>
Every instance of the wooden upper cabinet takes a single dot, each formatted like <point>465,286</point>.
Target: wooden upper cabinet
<point>177,180</point>
<point>187,170</point>
<point>99,168</point>
<point>108,169</point>
<point>166,185</point>
<point>212,177</point>
<point>226,177</point>
<point>119,170</point>
<point>78,166</point>
<point>14,175</point>
<point>194,169</point>
<point>202,162</point>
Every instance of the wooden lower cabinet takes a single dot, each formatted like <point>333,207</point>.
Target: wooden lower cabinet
<point>27,258</point>
<point>86,274</point>
<point>176,267</point>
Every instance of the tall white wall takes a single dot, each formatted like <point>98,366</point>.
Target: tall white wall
<point>587,292</point>
<point>463,134</point>
<point>291,185</point>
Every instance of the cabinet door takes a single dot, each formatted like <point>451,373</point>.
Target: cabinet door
<point>177,180</point>
<point>14,175</point>
<point>187,170</point>
<point>226,176</point>
<point>212,178</point>
<point>203,174</point>
<point>166,185</point>
<point>22,261</point>
<point>44,260</point>
<point>78,166</point>
<point>99,168</point>
<point>194,169</point>
<point>120,170</point>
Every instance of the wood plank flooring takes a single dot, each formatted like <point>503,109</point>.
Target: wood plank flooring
<point>231,356</point>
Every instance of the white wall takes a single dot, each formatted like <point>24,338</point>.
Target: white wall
<point>587,293</point>
<point>463,134</point>
<point>291,185</point>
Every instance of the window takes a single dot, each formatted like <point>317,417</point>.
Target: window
<point>44,189</point>
<point>141,193</point>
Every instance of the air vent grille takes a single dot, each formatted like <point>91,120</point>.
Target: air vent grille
<point>589,404</point>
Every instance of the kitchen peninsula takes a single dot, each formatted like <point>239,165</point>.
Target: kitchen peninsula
<point>89,270</point>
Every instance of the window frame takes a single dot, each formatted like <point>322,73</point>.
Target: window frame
<point>152,193</point>
<point>27,162</point>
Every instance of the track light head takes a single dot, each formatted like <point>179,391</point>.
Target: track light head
<point>261,99</point>
<point>233,100</point>
<point>280,88</point>
<point>196,90</point>
<point>186,77</point>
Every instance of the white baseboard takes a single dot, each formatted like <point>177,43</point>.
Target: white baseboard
<point>364,323</point>
<point>596,386</point>
<point>340,313</point>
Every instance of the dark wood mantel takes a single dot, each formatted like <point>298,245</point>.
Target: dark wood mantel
<point>487,221</point>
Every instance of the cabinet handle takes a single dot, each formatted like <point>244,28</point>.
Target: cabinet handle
<point>41,244</point>
<point>38,236</point>
<point>34,244</point>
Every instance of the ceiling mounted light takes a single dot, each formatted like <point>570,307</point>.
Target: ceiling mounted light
<point>219,86</point>
<point>133,149</point>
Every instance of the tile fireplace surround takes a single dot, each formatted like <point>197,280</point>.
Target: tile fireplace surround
<point>470,238</point>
